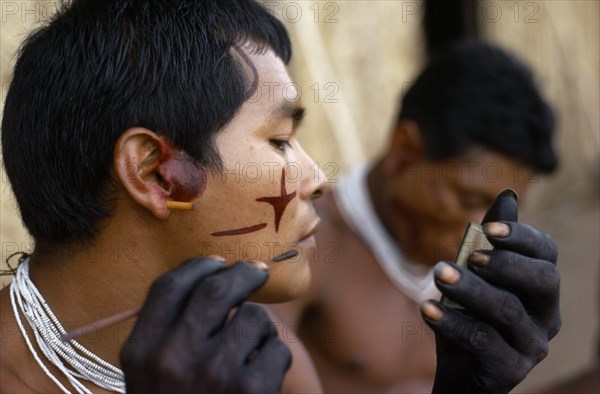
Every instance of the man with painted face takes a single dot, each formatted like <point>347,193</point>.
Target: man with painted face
<point>472,125</point>
<point>143,105</point>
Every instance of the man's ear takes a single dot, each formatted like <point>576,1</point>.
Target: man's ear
<point>138,154</point>
<point>405,147</point>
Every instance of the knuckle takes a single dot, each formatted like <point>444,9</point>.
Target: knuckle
<point>551,250</point>
<point>539,349</point>
<point>549,278</point>
<point>479,338</point>
<point>554,326</point>
<point>511,310</point>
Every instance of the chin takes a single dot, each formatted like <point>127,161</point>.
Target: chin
<point>285,283</point>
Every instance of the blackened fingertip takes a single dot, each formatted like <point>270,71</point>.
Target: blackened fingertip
<point>479,259</point>
<point>496,229</point>
<point>261,265</point>
<point>509,193</point>
<point>431,311</point>
<point>446,273</point>
<point>256,264</point>
<point>216,257</point>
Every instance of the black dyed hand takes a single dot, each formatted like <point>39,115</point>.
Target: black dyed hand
<point>183,341</point>
<point>511,298</point>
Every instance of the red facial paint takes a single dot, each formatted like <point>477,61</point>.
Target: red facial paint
<point>184,177</point>
<point>244,230</point>
<point>280,202</point>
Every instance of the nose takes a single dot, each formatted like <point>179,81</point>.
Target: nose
<point>312,184</point>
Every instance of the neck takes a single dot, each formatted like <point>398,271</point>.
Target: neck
<point>419,240</point>
<point>83,283</point>
<point>395,221</point>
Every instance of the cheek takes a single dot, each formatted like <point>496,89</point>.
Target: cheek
<point>249,212</point>
<point>287,280</point>
<point>423,198</point>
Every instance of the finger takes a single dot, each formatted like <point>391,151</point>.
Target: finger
<point>162,305</point>
<point>247,331</point>
<point>504,208</point>
<point>464,331</point>
<point>167,294</point>
<point>536,282</point>
<point>271,364</point>
<point>211,301</point>
<point>521,238</point>
<point>498,307</point>
<point>482,342</point>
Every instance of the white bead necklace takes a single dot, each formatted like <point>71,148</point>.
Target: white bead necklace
<point>71,358</point>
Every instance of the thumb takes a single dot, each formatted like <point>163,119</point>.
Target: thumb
<point>504,208</point>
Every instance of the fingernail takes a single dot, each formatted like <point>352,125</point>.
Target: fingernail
<point>496,229</point>
<point>260,265</point>
<point>447,274</point>
<point>432,311</point>
<point>216,257</point>
<point>480,259</point>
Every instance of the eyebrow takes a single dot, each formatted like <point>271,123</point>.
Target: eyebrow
<point>290,110</point>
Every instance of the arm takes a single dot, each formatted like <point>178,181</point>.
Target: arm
<point>511,298</point>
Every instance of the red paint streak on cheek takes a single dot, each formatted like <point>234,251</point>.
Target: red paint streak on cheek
<point>185,179</point>
<point>280,202</point>
<point>239,231</point>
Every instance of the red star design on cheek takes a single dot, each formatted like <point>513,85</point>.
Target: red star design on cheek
<point>280,202</point>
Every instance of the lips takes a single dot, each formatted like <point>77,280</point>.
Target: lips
<point>312,230</point>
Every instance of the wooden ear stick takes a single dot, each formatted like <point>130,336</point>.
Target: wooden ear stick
<point>122,316</point>
<point>101,324</point>
<point>183,206</point>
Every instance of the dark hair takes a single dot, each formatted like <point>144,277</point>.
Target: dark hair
<point>475,93</point>
<point>100,67</point>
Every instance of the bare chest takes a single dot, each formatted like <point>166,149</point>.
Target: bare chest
<point>367,329</point>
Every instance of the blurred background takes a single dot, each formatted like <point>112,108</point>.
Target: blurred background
<point>353,60</point>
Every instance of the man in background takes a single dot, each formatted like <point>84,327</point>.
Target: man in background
<point>472,125</point>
